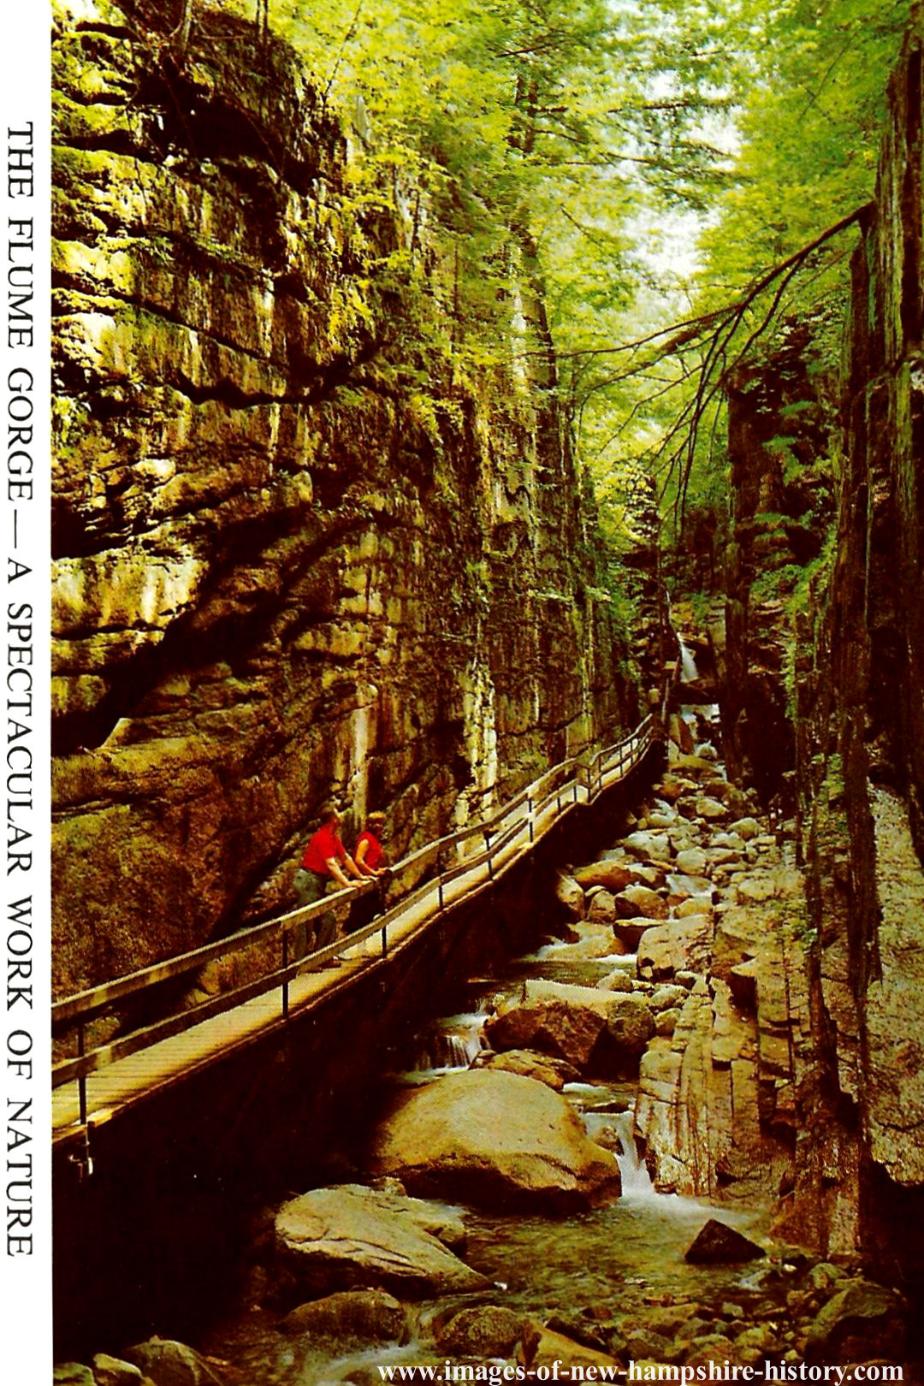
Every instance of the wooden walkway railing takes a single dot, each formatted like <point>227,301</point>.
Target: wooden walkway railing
<point>440,873</point>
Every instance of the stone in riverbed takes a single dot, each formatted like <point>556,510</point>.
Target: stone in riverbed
<point>718,1244</point>
<point>617,980</point>
<point>709,808</point>
<point>555,1073</point>
<point>495,1139</point>
<point>569,894</point>
<point>544,1348</point>
<point>649,846</point>
<point>351,1316</point>
<point>682,887</point>
<point>112,1371</point>
<point>860,1321</point>
<point>692,862</point>
<point>745,829</point>
<point>640,900</point>
<point>170,1363</point>
<point>602,907</point>
<point>596,1030</point>
<point>486,1330</point>
<point>348,1236</point>
<point>613,875</point>
<point>72,1374</point>
<point>630,931</point>
<point>681,945</point>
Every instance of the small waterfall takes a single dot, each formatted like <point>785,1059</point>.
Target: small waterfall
<point>636,1181</point>
<point>453,1043</point>
<point>688,670</point>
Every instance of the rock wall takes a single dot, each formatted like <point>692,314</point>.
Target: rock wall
<point>859,748</point>
<point>297,551</point>
<point>781,504</point>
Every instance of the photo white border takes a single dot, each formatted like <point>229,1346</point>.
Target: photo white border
<point>25,1276</point>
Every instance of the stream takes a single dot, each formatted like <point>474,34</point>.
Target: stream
<point>624,1260</point>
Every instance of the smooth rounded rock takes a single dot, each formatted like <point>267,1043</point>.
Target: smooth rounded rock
<point>348,1236</point>
<point>495,1139</point>
<point>351,1316</point>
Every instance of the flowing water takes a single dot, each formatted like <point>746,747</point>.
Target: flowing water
<point>614,1260</point>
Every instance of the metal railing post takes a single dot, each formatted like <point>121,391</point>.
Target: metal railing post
<point>285,980</point>
<point>82,1080</point>
<point>487,843</point>
<point>384,940</point>
<point>530,812</point>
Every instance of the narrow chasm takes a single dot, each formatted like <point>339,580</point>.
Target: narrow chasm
<point>487,491</point>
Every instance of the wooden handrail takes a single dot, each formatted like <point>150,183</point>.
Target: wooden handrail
<point>587,781</point>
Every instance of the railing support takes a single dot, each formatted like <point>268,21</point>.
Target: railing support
<point>384,940</point>
<point>82,1080</point>
<point>531,815</point>
<point>285,980</point>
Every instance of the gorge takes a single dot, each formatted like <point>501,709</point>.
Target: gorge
<point>310,543</point>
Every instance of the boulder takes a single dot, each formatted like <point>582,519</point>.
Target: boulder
<point>72,1374</point>
<point>666,997</point>
<point>555,1073</point>
<point>617,980</point>
<point>348,1236</point>
<point>570,895</point>
<point>744,829</point>
<point>495,1139</point>
<point>544,1348</point>
<point>640,900</point>
<point>681,887</point>
<point>666,1022</point>
<point>649,846</point>
<point>553,1026</point>
<point>351,1316</point>
<point>613,875</point>
<point>682,945</point>
<point>602,907</point>
<point>860,1321</point>
<point>695,904</point>
<point>692,861</point>
<point>648,875</point>
<point>671,787</point>
<point>710,808</point>
<point>484,1331</point>
<point>630,931</point>
<point>718,1244</point>
<point>170,1363</point>
<point>112,1371</point>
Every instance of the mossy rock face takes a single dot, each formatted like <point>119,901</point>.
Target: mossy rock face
<point>277,577</point>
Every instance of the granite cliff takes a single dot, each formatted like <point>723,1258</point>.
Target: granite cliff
<point>301,548</point>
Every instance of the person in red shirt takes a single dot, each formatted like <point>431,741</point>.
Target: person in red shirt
<point>324,860</point>
<point>369,853</point>
<point>370,859</point>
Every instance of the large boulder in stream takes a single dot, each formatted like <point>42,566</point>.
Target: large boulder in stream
<point>495,1139</point>
<point>597,1031</point>
<point>348,1236</point>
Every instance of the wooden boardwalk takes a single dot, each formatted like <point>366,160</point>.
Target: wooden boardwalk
<point>94,1086</point>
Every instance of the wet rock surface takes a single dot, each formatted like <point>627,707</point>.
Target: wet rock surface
<point>351,1235</point>
<point>492,1138</point>
<point>683,1060</point>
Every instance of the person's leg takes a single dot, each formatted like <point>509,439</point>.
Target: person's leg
<point>309,887</point>
<point>326,927</point>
